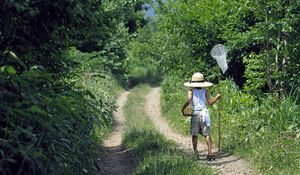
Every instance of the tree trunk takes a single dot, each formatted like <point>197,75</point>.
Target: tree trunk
<point>284,39</point>
<point>267,49</point>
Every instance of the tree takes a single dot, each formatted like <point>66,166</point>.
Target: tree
<point>47,117</point>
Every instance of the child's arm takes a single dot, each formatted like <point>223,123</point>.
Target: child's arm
<point>211,100</point>
<point>188,100</point>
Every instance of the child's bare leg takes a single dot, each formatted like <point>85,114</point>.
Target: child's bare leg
<point>209,144</point>
<point>194,141</point>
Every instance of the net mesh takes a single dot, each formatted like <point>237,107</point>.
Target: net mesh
<point>219,53</point>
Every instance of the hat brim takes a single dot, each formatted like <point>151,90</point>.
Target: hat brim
<point>202,84</point>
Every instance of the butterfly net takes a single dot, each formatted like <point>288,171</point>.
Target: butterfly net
<point>219,53</point>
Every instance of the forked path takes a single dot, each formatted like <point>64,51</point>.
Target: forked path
<point>224,163</point>
<point>116,159</point>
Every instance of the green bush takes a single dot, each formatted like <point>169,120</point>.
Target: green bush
<point>50,125</point>
<point>47,129</point>
<point>263,127</point>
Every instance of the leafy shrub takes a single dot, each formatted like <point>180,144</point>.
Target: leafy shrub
<point>46,129</point>
<point>265,127</point>
<point>52,126</point>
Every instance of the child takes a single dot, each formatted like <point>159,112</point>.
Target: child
<point>200,121</point>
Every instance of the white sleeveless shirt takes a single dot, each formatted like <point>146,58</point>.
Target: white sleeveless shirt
<point>199,99</point>
<point>199,105</point>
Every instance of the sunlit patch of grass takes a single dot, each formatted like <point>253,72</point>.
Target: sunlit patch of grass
<point>135,114</point>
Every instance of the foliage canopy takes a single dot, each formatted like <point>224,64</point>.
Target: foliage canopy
<point>57,63</point>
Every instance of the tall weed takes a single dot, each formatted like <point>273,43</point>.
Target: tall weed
<point>264,127</point>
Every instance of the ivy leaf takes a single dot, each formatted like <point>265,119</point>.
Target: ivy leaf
<point>11,70</point>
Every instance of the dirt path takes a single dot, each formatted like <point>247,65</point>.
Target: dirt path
<point>225,164</point>
<point>116,160</point>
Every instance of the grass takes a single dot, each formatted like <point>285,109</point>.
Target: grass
<point>136,117</point>
<point>158,155</point>
<point>264,131</point>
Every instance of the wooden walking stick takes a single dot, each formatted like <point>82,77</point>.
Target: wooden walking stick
<point>219,53</point>
<point>219,116</point>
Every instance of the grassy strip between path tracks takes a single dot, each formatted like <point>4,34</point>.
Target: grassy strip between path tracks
<point>158,155</point>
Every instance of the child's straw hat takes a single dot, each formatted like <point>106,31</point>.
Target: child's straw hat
<point>197,81</point>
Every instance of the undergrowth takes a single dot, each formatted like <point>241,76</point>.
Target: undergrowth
<point>52,125</point>
<point>261,128</point>
<point>158,155</point>
<point>100,82</point>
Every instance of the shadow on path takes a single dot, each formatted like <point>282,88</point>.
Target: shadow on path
<point>115,159</point>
